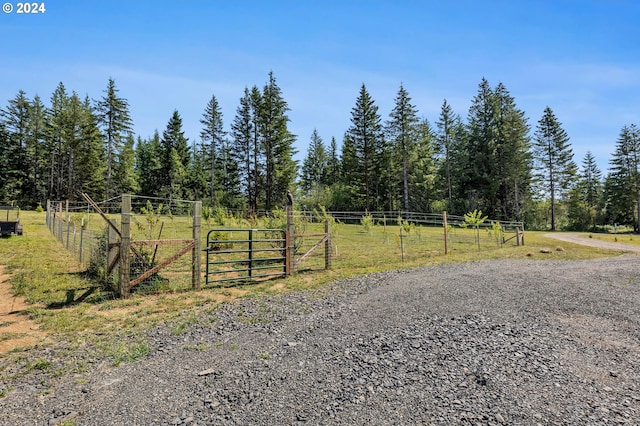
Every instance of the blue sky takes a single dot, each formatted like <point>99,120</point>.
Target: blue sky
<point>581,58</point>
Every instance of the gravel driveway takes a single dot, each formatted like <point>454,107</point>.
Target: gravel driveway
<point>594,242</point>
<point>518,342</point>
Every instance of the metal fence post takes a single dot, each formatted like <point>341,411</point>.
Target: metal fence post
<point>197,235</point>
<point>250,250</point>
<point>125,246</point>
<point>81,236</point>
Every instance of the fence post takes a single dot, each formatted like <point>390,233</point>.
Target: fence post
<point>250,250</point>
<point>446,232</point>
<point>401,241</point>
<point>68,218</point>
<point>290,242</point>
<point>125,246</point>
<point>327,245</point>
<point>47,217</point>
<point>81,236</point>
<point>197,235</point>
<point>60,220</point>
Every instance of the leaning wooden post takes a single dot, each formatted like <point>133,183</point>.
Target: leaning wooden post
<point>327,245</point>
<point>446,235</point>
<point>197,235</point>
<point>125,246</point>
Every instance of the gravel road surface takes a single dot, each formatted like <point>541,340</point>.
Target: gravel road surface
<point>594,242</point>
<point>502,342</point>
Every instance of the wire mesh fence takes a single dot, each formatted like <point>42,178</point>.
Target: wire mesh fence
<point>164,254</point>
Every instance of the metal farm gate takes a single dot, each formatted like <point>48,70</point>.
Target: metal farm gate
<point>246,254</point>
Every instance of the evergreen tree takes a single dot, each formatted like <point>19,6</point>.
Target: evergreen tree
<point>90,163</point>
<point>477,180</point>
<point>449,149</point>
<point>175,158</point>
<point>277,145</point>
<point>36,150</point>
<point>497,166</point>
<point>348,195</point>
<point>590,182</point>
<point>242,152</point>
<point>113,112</point>
<point>314,166</point>
<point>623,183</point>
<point>149,165</point>
<point>15,119</point>
<point>230,193</point>
<point>198,175</point>
<point>126,178</point>
<point>333,163</point>
<point>8,190</point>
<point>212,135</point>
<point>422,180</point>
<point>55,146</point>
<point>585,200</point>
<point>554,157</point>
<point>402,133</point>
<point>313,173</point>
<point>365,133</point>
<point>257,163</point>
<point>72,144</point>
<point>512,155</point>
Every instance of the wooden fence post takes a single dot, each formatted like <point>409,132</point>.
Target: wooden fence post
<point>68,218</point>
<point>60,220</point>
<point>290,242</point>
<point>197,235</point>
<point>327,245</point>
<point>125,246</point>
<point>446,232</point>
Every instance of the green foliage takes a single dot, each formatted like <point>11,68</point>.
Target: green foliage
<point>207,214</point>
<point>497,232</point>
<point>128,352</point>
<point>367,222</point>
<point>554,160</point>
<point>475,218</point>
<point>404,225</point>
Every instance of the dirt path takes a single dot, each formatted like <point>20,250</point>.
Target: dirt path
<point>585,241</point>
<point>16,330</point>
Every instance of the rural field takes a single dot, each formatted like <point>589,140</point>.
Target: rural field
<point>394,323</point>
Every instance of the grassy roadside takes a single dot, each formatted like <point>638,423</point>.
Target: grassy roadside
<point>72,309</point>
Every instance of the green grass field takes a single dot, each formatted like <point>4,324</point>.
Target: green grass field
<point>69,305</point>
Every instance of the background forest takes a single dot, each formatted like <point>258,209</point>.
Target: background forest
<point>493,160</point>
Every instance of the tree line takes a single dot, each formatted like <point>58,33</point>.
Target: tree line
<point>491,161</point>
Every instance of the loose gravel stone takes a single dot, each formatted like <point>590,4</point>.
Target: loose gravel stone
<point>504,342</point>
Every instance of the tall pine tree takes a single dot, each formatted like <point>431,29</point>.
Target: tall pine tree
<point>623,182</point>
<point>277,145</point>
<point>554,157</point>
<point>212,135</point>
<point>402,134</point>
<point>116,124</point>
<point>365,134</point>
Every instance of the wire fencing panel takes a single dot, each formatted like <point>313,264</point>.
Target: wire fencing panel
<point>69,223</point>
